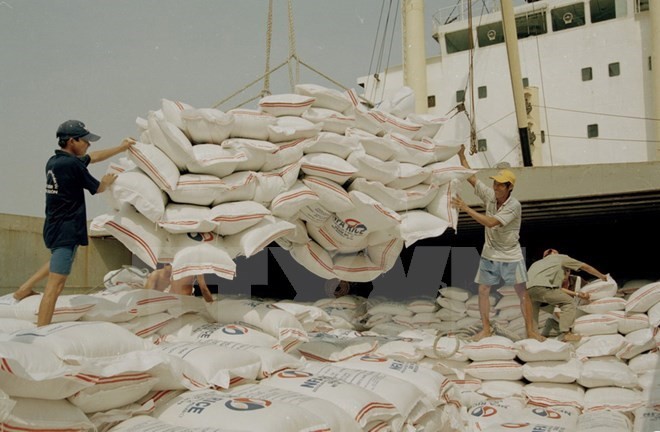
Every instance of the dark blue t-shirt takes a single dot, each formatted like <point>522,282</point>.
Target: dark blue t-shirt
<point>66,218</point>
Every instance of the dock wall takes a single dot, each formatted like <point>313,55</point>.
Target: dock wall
<point>23,252</point>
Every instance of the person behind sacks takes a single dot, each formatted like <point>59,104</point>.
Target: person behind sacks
<point>65,226</point>
<point>501,256</point>
<point>161,279</point>
<point>339,288</point>
<point>547,279</point>
<point>551,326</point>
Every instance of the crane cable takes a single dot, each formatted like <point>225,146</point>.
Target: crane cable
<point>269,39</point>
<point>293,80</point>
<point>472,118</point>
<point>293,56</point>
<point>380,48</point>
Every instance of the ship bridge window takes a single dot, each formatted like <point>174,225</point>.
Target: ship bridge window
<point>482,145</point>
<point>641,5</point>
<point>592,131</point>
<point>587,74</point>
<point>567,17</point>
<point>482,92</point>
<point>614,69</point>
<point>460,96</point>
<point>457,41</point>
<point>531,24</point>
<point>490,34</point>
<point>602,10</point>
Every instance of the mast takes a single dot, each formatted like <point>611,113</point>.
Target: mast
<point>414,52</point>
<point>511,41</point>
<point>654,10</point>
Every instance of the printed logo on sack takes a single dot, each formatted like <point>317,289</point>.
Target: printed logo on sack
<point>546,413</point>
<point>233,329</point>
<point>373,358</point>
<point>247,404</point>
<point>484,411</point>
<point>293,374</point>
<point>349,227</point>
<point>515,425</point>
<point>201,237</point>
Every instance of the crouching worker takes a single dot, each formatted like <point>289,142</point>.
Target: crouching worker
<point>546,286</point>
<point>161,280</point>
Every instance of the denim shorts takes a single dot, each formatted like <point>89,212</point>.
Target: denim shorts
<point>490,272</point>
<point>61,259</point>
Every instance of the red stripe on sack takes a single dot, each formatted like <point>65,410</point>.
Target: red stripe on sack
<point>386,212</point>
<point>150,166</point>
<point>286,104</point>
<point>193,382</point>
<point>156,300</point>
<point>206,267</point>
<point>450,213</point>
<point>318,259</point>
<point>5,366</point>
<point>291,344</point>
<point>356,269</point>
<point>275,236</point>
<point>386,251</point>
<point>153,327</point>
<point>374,405</point>
<point>230,158</point>
<point>293,196</point>
<point>411,128</point>
<point>251,113</point>
<point>380,426</point>
<point>239,218</point>
<point>65,310</point>
<point>200,182</point>
<point>412,145</point>
<point>326,170</point>
<point>330,186</point>
<point>353,97</point>
<point>138,239</point>
<point>328,238</point>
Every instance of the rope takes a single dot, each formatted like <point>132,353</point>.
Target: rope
<point>373,50</point>
<point>292,48</point>
<point>269,39</point>
<point>605,139</point>
<point>600,113</point>
<point>545,112</point>
<point>367,101</point>
<point>379,62</point>
<point>293,57</point>
<point>472,118</point>
<point>248,85</point>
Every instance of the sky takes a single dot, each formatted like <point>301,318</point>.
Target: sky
<point>109,62</point>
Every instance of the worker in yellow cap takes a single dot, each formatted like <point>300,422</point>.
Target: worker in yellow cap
<point>501,256</point>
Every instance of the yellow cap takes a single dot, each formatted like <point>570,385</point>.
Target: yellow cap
<point>505,176</point>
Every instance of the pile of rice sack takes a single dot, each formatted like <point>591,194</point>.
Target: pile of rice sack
<point>131,359</point>
<point>342,187</point>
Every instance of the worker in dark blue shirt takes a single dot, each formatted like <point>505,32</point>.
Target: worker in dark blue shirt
<point>65,227</point>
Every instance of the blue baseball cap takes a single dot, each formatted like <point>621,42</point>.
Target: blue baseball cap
<point>75,129</point>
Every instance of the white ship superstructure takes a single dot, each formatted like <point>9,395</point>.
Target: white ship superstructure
<point>586,69</point>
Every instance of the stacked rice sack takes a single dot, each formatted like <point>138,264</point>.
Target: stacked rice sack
<point>341,187</point>
<point>136,359</point>
<point>142,359</point>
